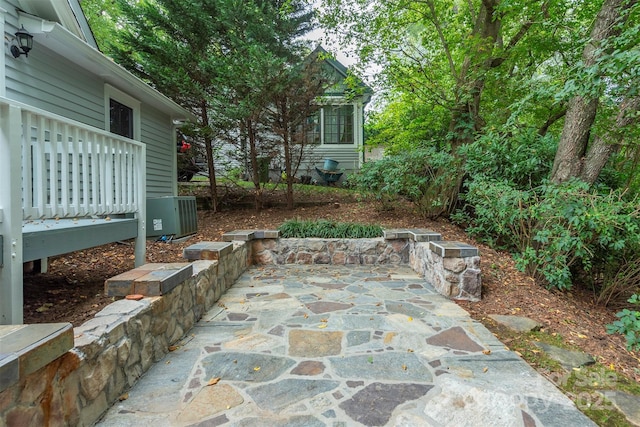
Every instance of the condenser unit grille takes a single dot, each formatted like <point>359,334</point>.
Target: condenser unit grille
<point>187,217</point>
<point>172,216</point>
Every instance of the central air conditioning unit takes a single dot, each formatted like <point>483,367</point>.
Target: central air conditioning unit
<point>171,216</point>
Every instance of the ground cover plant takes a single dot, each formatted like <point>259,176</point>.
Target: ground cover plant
<point>328,229</point>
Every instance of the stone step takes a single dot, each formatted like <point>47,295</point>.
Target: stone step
<point>26,348</point>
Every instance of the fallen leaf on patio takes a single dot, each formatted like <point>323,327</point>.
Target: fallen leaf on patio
<point>370,359</point>
<point>306,316</point>
<point>324,325</point>
<point>123,397</point>
<point>404,367</point>
<point>486,352</point>
<point>324,320</point>
<point>485,369</point>
<point>214,381</point>
<point>173,347</point>
<point>410,319</point>
<point>257,368</point>
<point>410,350</point>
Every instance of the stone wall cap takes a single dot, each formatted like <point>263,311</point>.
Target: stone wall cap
<point>161,281</point>
<point>207,250</point>
<point>27,348</point>
<point>267,234</point>
<point>453,249</point>
<point>241,235</point>
<point>415,234</point>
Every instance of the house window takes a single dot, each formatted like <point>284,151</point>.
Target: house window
<point>122,113</point>
<point>313,129</point>
<point>338,124</point>
<point>120,119</point>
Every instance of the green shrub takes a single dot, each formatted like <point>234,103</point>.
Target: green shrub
<point>628,324</point>
<point>328,230</point>
<point>424,176</point>
<point>523,159</point>
<point>556,231</point>
<point>500,214</point>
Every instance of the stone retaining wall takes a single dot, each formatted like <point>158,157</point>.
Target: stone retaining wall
<point>116,347</point>
<point>330,251</point>
<point>453,271</point>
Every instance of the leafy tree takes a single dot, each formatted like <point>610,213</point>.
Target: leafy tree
<point>606,79</point>
<point>220,58</point>
<point>293,104</point>
<point>443,54</point>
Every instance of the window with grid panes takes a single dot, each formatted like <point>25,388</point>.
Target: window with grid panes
<point>338,124</point>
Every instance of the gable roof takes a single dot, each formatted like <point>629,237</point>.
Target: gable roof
<point>61,26</point>
<point>67,13</point>
<point>343,72</point>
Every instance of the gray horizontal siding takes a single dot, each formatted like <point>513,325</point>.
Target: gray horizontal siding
<point>157,133</point>
<point>347,156</point>
<point>48,81</point>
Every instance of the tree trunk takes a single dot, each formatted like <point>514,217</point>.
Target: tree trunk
<point>208,141</point>
<point>604,146</point>
<point>570,161</point>
<point>286,143</point>
<point>253,158</point>
<point>465,117</point>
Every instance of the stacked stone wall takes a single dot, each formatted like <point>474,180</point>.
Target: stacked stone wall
<point>452,275</point>
<point>330,251</point>
<point>115,348</point>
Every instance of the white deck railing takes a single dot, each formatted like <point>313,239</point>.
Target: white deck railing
<point>54,167</point>
<point>73,170</point>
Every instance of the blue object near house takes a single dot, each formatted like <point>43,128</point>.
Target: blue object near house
<point>330,165</point>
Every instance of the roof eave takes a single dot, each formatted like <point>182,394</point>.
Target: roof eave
<point>60,40</point>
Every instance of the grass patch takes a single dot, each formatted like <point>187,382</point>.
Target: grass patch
<point>328,230</point>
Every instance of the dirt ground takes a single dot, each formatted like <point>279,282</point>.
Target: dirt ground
<point>73,288</point>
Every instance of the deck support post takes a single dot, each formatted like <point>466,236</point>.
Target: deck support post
<point>141,240</point>
<point>11,294</point>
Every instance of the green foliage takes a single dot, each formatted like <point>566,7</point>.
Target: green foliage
<point>558,231</point>
<point>423,176</point>
<point>628,324</point>
<point>404,124</point>
<point>327,229</point>
<point>500,214</point>
<point>523,159</point>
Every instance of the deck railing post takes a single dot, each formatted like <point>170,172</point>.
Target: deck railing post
<point>11,294</point>
<point>141,186</point>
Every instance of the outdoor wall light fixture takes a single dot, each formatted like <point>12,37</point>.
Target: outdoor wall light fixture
<point>25,43</point>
